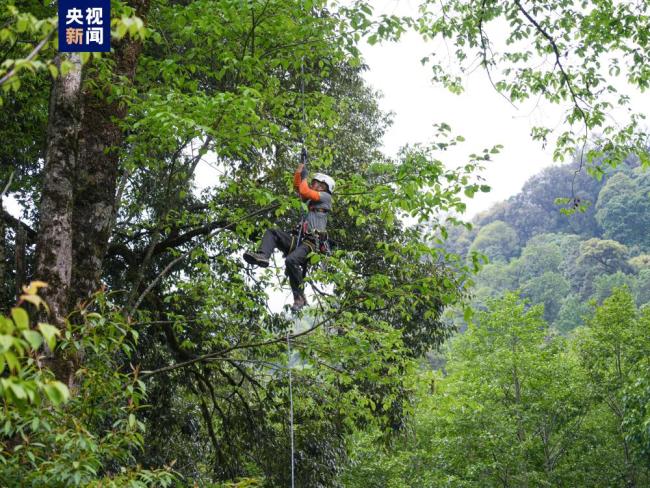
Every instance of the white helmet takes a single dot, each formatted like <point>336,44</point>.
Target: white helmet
<point>325,179</point>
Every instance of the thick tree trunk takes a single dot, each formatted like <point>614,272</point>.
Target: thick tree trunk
<point>55,241</point>
<point>95,190</point>
<point>94,193</point>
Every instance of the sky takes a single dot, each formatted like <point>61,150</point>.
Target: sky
<point>481,115</point>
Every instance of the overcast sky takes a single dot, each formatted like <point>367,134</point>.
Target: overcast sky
<point>479,114</point>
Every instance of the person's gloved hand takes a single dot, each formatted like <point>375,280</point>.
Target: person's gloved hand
<point>303,155</point>
<point>302,170</point>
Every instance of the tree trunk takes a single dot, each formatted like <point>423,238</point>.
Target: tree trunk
<point>95,189</point>
<point>55,241</point>
<point>20,260</point>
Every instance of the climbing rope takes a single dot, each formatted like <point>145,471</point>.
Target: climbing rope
<point>302,99</point>
<point>303,150</point>
<point>303,160</point>
<point>290,408</point>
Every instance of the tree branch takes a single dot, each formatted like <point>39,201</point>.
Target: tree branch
<point>15,223</point>
<point>567,83</point>
<point>220,355</point>
<point>179,240</point>
<point>187,253</point>
<point>29,58</point>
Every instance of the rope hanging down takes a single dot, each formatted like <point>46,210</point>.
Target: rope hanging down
<point>290,408</point>
<point>302,99</point>
<point>303,160</point>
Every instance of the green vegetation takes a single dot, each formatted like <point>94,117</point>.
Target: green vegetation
<point>561,261</point>
<point>523,406</point>
<point>145,353</point>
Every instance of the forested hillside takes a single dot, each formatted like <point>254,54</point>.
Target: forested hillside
<point>548,384</point>
<point>564,261</point>
<point>139,342</point>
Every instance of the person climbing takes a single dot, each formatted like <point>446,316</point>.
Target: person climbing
<point>308,237</point>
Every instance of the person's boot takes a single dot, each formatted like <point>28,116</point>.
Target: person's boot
<point>299,301</point>
<point>256,259</point>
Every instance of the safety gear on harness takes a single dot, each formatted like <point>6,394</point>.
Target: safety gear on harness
<point>329,181</point>
<point>316,241</point>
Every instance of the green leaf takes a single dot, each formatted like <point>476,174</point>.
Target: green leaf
<point>49,333</point>
<point>17,390</point>
<point>6,342</point>
<point>57,392</point>
<point>34,338</point>
<point>12,361</point>
<point>20,317</point>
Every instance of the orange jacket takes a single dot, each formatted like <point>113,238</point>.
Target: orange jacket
<point>302,186</point>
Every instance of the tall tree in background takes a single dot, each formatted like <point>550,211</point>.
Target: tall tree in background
<point>613,348</point>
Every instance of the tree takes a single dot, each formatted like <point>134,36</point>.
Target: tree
<point>554,51</point>
<point>640,262</point>
<point>604,285</point>
<point>509,412</point>
<point>623,210</point>
<point>643,287</point>
<point>534,210</point>
<point>550,290</point>
<point>571,314</point>
<point>497,240</point>
<point>597,257</point>
<point>635,403</point>
<point>612,347</point>
<point>538,257</point>
<point>55,438</point>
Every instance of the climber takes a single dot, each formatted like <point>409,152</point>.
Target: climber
<point>309,236</point>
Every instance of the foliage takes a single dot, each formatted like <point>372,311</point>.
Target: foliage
<point>520,405</point>
<point>211,125</point>
<point>90,437</point>
<point>623,210</point>
<point>613,349</point>
<point>29,36</point>
<point>643,287</point>
<point>25,386</point>
<point>562,52</point>
<point>496,240</point>
<point>354,365</point>
<point>571,314</point>
<point>640,262</point>
<point>555,266</point>
<point>17,35</point>
<point>550,289</point>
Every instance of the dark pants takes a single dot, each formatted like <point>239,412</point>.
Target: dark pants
<point>295,258</point>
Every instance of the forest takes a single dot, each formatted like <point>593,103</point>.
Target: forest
<point>137,347</point>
